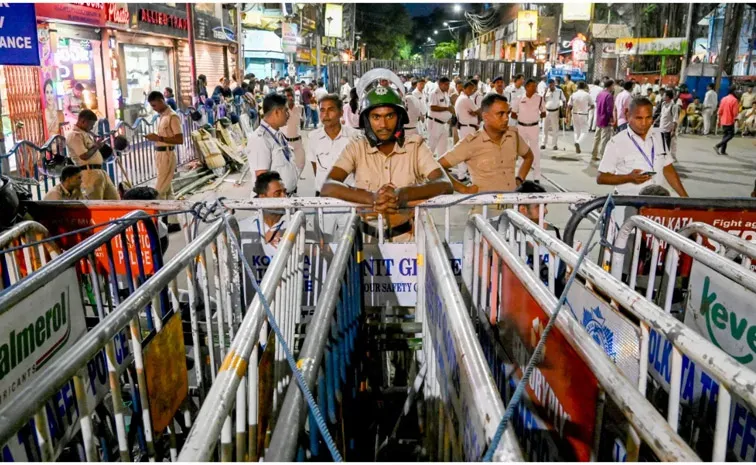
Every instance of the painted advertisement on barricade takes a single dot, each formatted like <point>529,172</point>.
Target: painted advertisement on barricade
<point>467,433</point>
<point>562,393</point>
<point>617,336</point>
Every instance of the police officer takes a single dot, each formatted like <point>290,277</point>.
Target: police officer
<point>169,135</point>
<point>528,110</point>
<point>441,111</point>
<point>554,100</point>
<point>85,153</point>
<point>514,91</point>
<point>267,149</point>
<point>390,168</point>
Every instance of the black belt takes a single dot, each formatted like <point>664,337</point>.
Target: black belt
<point>164,149</point>
<point>91,167</point>
<point>436,120</point>
<point>408,128</point>
<point>555,109</point>
<point>390,232</point>
<point>474,126</point>
<point>584,114</point>
<point>527,124</point>
<point>294,139</point>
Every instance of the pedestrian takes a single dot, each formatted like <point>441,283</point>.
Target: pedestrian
<point>85,153</point>
<point>454,122</point>
<point>467,122</point>
<point>513,92</point>
<point>668,117</point>
<point>709,108</point>
<point>419,94</point>
<point>390,168</point>
<point>746,103</point>
<point>528,110</point>
<point>313,106</point>
<point>604,120</point>
<point>346,89</point>
<point>306,100</point>
<point>498,85</point>
<point>169,135</point>
<point>351,111</point>
<point>637,156</point>
<point>580,104</point>
<point>694,116</point>
<point>621,103</point>
<point>68,187</point>
<point>542,86</point>
<point>326,143</point>
<point>554,98</point>
<point>169,100</point>
<point>439,115</point>
<point>569,88</point>
<point>728,112</point>
<point>594,90</point>
<point>267,149</point>
<point>222,89</point>
<point>291,129</point>
<point>491,153</point>
<point>651,96</point>
<point>202,88</point>
<point>685,98</point>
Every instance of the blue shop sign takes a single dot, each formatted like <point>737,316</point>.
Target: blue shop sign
<point>18,34</point>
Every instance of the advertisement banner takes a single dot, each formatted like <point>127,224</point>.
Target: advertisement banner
<point>93,14</point>
<point>562,391</point>
<point>578,11</point>
<point>18,35</point>
<point>77,217</point>
<point>289,36</point>
<point>527,25</point>
<point>651,46</point>
<point>617,336</point>
<point>334,15</point>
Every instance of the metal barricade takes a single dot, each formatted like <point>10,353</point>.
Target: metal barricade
<point>463,405</point>
<point>724,243</point>
<point>25,160</point>
<point>17,265</point>
<point>45,313</point>
<point>648,341</point>
<point>236,384</point>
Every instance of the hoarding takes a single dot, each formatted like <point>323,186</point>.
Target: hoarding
<point>334,16</point>
<point>527,25</point>
<point>18,35</point>
<point>651,46</point>
<point>578,11</point>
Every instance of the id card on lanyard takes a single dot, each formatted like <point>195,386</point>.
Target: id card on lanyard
<point>642,152</point>
<point>284,147</point>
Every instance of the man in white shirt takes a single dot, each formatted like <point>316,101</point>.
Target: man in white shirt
<point>621,103</point>
<point>636,92</point>
<point>580,103</point>
<point>419,94</point>
<point>267,149</point>
<point>542,86</point>
<point>291,129</point>
<point>467,116</point>
<point>320,92</point>
<point>345,90</point>
<point>440,112</point>
<point>637,156</point>
<point>554,99</point>
<point>513,92</point>
<point>529,109</point>
<point>668,117</point>
<point>594,90</point>
<point>709,108</point>
<point>498,85</point>
<point>415,111</point>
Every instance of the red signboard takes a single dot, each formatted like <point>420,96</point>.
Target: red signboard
<point>93,14</point>
<point>163,19</point>
<point>59,220</point>
<point>563,391</point>
<point>740,223</point>
<point>117,14</point>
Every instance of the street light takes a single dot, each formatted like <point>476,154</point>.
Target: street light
<point>457,8</point>
<point>435,32</point>
<point>446,24</point>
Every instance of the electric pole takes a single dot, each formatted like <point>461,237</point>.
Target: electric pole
<point>689,41</point>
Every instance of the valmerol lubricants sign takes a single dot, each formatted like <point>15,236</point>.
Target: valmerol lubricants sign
<point>33,332</point>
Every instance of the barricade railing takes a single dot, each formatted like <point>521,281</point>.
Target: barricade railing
<point>17,265</point>
<point>462,402</point>
<point>45,315</point>
<point>645,341</point>
<point>724,243</point>
<point>238,385</point>
<point>326,357</point>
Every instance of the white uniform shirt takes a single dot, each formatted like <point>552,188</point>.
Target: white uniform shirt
<point>420,96</point>
<point>324,151</point>
<point>622,157</point>
<point>512,93</point>
<point>542,86</point>
<point>320,92</point>
<point>345,90</point>
<point>268,150</point>
<point>463,106</point>
<point>594,91</point>
<point>291,130</point>
<point>415,109</point>
<point>710,100</point>
<point>554,98</point>
<point>669,114</point>
<point>408,86</point>
<point>528,109</point>
<point>441,99</point>
<point>581,102</point>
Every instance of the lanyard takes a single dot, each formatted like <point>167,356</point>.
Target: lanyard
<point>275,233</point>
<point>653,150</point>
<point>285,147</point>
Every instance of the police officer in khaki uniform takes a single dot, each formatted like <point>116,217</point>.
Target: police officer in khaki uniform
<point>391,169</point>
<point>69,187</point>
<point>85,152</point>
<point>491,153</point>
<point>169,135</point>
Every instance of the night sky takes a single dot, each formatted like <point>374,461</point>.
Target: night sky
<point>421,9</point>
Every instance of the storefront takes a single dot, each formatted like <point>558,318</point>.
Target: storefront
<point>263,55</point>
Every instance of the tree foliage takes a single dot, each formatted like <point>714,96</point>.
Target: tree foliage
<point>403,49</point>
<point>384,28</point>
<point>445,50</point>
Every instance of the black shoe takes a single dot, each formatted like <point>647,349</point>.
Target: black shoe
<point>555,148</point>
<point>543,147</point>
<point>577,148</point>
<point>537,181</point>
<point>716,149</point>
<point>724,153</point>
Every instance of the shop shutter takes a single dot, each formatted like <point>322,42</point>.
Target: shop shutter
<point>211,61</point>
<point>24,103</point>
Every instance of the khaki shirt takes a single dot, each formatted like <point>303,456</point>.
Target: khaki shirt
<point>78,142</point>
<point>491,165</point>
<point>169,124</point>
<point>405,166</point>
<point>60,193</point>
<point>569,88</point>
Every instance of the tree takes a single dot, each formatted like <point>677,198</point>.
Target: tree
<point>445,50</point>
<point>403,49</point>
<point>383,26</point>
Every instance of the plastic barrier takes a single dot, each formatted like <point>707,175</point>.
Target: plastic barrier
<point>102,363</point>
<point>17,265</point>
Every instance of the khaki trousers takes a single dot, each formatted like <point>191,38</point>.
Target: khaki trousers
<point>98,186</point>
<point>165,162</point>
